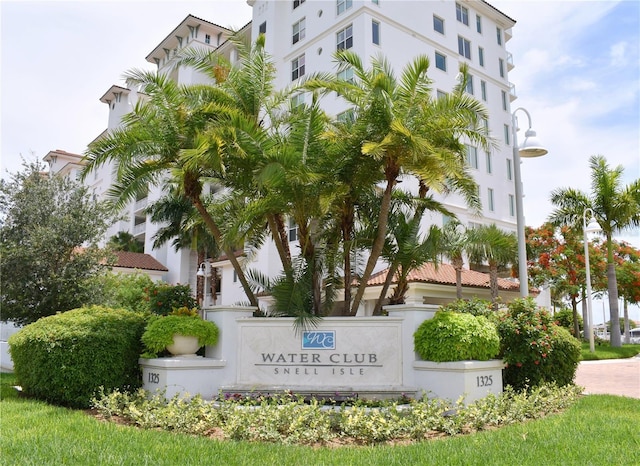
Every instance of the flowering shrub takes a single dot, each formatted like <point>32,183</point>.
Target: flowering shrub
<point>474,306</point>
<point>534,348</point>
<point>452,336</point>
<point>164,298</point>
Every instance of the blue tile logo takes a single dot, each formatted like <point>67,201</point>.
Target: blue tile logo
<point>317,339</point>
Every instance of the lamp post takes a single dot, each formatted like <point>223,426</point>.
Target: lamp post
<point>593,227</point>
<point>531,147</point>
<point>204,272</point>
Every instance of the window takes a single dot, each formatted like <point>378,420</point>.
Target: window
<point>499,35</point>
<point>235,277</point>
<point>509,170</point>
<point>346,117</point>
<point>438,24</point>
<point>297,101</point>
<point>464,47</point>
<point>472,156</point>
<point>297,3</point>
<point>297,67</point>
<point>492,206</point>
<point>375,32</point>
<point>346,75</point>
<point>441,62</point>
<point>501,67</point>
<point>483,90</point>
<point>345,38</point>
<point>440,94</point>
<point>293,230</point>
<point>263,28</point>
<point>504,100</point>
<point>343,5</point>
<point>207,39</point>
<point>479,24</point>
<point>506,134</point>
<point>481,56</point>
<point>462,14</point>
<point>512,205</point>
<point>469,87</point>
<point>299,31</point>
<point>375,2</point>
<point>489,162</point>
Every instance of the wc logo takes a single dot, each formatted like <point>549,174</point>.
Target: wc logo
<point>317,339</point>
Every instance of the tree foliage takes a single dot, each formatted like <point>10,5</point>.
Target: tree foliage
<point>48,244</point>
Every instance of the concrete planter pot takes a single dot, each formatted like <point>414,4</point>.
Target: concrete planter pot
<point>184,346</point>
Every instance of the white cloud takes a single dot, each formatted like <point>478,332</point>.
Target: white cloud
<point>617,52</point>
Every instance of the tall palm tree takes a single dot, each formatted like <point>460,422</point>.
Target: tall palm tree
<point>615,207</point>
<point>495,246</point>
<point>125,241</point>
<point>403,129</point>
<point>453,244</point>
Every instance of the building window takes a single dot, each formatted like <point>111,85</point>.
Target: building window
<point>504,100</point>
<point>479,24</point>
<point>499,35</point>
<point>345,75</point>
<point>464,47</point>
<point>263,28</point>
<point>462,14</point>
<point>469,87</point>
<point>293,231</point>
<point>297,3</point>
<point>375,32</point>
<point>375,2</point>
<point>297,67</point>
<point>235,277</point>
<point>438,24</point>
<point>345,38</point>
<point>472,156</point>
<point>343,5</point>
<point>485,124</point>
<point>506,135</point>
<point>207,39</point>
<point>297,101</point>
<point>481,56</point>
<point>492,206</point>
<point>441,62</point>
<point>440,94</point>
<point>512,205</point>
<point>483,90</point>
<point>489,162</point>
<point>346,117</point>
<point>501,67</point>
<point>299,31</point>
<point>509,170</point>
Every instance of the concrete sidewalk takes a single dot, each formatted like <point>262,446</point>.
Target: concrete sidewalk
<point>610,377</point>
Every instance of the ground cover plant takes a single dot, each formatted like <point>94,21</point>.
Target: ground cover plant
<point>606,351</point>
<point>295,420</point>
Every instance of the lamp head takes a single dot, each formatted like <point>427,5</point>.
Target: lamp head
<point>593,227</point>
<point>201,272</point>
<point>531,146</point>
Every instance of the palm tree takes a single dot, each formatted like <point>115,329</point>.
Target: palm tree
<point>495,246</point>
<point>404,130</point>
<point>615,207</point>
<point>453,245</point>
<point>125,241</point>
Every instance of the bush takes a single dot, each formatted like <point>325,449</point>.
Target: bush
<point>534,348</point>
<point>564,318</point>
<point>474,306</point>
<point>160,331</point>
<point>65,358</point>
<point>164,298</point>
<point>125,291</point>
<point>451,336</point>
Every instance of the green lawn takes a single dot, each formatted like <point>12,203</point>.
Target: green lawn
<point>596,430</point>
<point>605,351</point>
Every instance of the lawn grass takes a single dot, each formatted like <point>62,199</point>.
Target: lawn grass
<point>605,351</point>
<point>598,429</point>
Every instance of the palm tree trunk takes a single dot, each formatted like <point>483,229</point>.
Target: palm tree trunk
<point>493,284</point>
<point>279,235</point>
<point>215,231</point>
<point>385,288</point>
<point>200,280</point>
<point>347,235</point>
<point>457,265</point>
<point>612,290</point>
<point>576,324</point>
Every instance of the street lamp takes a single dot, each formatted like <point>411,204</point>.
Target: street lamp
<point>204,272</point>
<point>593,227</point>
<point>531,147</point>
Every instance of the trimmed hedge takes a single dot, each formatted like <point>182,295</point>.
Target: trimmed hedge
<point>64,358</point>
<point>453,336</point>
<point>535,349</point>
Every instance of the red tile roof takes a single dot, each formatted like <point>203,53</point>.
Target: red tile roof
<point>137,260</point>
<point>445,274</point>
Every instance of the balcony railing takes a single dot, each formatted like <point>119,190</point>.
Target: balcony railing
<point>510,64</point>
<point>512,92</point>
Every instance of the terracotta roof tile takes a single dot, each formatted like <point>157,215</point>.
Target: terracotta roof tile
<point>445,274</point>
<point>137,260</point>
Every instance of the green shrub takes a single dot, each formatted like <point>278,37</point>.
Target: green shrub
<point>160,331</point>
<point>564,318</point>
<point>164,298</point>
<point>64,358</point>
<point>451,336</point>
<point>125,291</point>
<point>474,306</point>
<point>534,348</point>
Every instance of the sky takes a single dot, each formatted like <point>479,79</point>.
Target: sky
<point>577,72</point>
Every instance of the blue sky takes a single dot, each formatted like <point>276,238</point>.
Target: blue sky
<point>577,72</point>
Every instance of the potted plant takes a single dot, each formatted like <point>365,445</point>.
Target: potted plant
<point>182,333</point>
